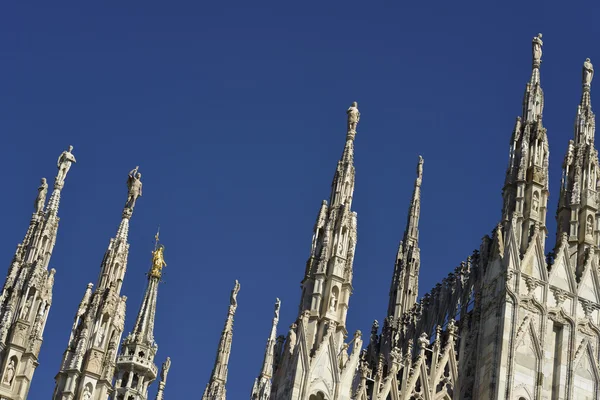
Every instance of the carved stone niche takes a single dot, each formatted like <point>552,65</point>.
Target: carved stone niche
<point>20,333</point>
<point>94,363</point>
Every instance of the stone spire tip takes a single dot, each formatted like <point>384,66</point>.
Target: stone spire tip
<point>353,119</point>
<point>537,50</point>
<point>588,74</point>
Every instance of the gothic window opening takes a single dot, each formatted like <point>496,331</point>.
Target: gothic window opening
<point>125,379</point>
<point>135,381</point>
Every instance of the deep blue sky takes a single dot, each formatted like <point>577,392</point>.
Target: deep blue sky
<point>236,117</point>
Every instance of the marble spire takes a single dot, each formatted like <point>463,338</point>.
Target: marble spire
<point>141,341</point>
<point>27,293</point>
<point>578,208</point>
<point>88,364</point>
<point>215,389</point>
<point>262,385</point>
<point>525,192</point>
<point>405,281</point>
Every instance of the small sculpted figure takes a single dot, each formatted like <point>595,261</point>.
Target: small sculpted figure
<point>588,72</point>
<point>537,49</point>
<point>165,370</point>
<point>65,160</point>
<point>134,184</point>
<point>234,293</point>
<point>353,117</point>
<point>41,196</point>
<point>10,373</point>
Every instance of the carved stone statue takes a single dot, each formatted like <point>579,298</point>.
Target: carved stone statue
<point>165,370</point>
<point>10,373</point>
<point>588,72</point>
<point>353,117</point>
<point>134,184</point>
<point>277,307</point>
<point>537,50</point>
<point>420,171</point>
<point>87,395</point>
<point>292,337</point>
<point>158,261</point>
<point>234,293</point>
<point>101,334</point>
<point>41,196</point>
<point>589,226</point>
<point>26,308</point>
<point>333,302</point>
<point>344,355</point>
<point>64,164</point>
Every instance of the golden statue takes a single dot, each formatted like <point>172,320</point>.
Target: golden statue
<point>158,259</point>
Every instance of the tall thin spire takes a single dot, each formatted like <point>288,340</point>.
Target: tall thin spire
<point>27,293</point>
<point>327,283</point>
<point>525,192</point>
<point>141,340</point>
<point>405,281</point>
<point>90,357</point>
<point>215,389</point>
<point>577,215</point>
<point>262,385</point>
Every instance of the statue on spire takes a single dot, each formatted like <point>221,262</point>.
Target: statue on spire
<point>41,196</point>
<point>353,117</point>
<point>134,184</point>
<point>65,160</point>
<point>165,370</point>
<point>588,73</point>
<point>537,50</point>
<point>158,261</point>
<point>277,307</point>
<point>234,293</point>
<point>419,171</point>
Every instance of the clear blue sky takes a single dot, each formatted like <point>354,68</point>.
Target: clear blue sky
<point>236,116</point>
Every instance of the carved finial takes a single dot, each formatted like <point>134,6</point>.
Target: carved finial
<point>419,172</point>
<point>537,50</point>
<point>234,293</point>
<point>353,118</point>
<point>134,186</point>
<point>277,307</point>
<point>165,370</point>
<point>588,74</point>
<point>65,160</point>
<point>40,200</point>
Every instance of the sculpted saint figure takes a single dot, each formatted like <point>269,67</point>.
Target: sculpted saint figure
<point>134,184</point>
<point>537,49</point>
<point>234,293</point>
<point>588,72</point>
<point>353,117</point>
<point>333,302</point>
<point>26,308</point>
<point>87,395</point>
<point>277,307</point>
<point>10,373</point>
<point>41,196</point>
<point>165,370</point>
<point>64,164</point>
<point>420,171</point>
<point>158,261</point>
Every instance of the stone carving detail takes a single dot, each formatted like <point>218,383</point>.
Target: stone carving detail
<point>87,394</point>
<point>134,185</point>
<point>65,160</point>
<point>9,374</point>
<point>40,200</point>
<point>165,370</point>
<point>537,50</point>
<point>588,72</point>
<point>353,117</point>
